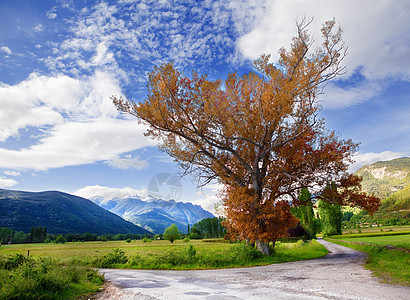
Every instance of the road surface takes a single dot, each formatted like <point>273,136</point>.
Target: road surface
<point>338,275</point>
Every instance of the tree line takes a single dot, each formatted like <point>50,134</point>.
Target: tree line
<point>39,235</point>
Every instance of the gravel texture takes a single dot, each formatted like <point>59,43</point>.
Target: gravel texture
<point>338,275</point>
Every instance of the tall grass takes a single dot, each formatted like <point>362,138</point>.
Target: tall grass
<point>44,278</point>
<point>237,255</point>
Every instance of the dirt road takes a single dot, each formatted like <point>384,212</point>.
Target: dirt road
<point>339,275</point>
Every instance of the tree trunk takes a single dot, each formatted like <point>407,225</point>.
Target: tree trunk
<point>262,247</point>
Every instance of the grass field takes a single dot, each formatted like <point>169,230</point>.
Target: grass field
<point>86,253</point>
<point>400,241</point>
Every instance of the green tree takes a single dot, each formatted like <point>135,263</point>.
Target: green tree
<point>60,239</point>
<point>304,212</point>
<point>331,216</point>
<point>258,134</point>
<point>6,235</point>
<point>172,233</point>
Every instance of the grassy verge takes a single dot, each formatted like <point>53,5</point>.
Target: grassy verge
<point>45,278</point>
<point>390,265</point>
<point>190,258</point>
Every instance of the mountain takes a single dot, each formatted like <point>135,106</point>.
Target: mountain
<point>60,213</point>
<point>155,214</point>
<point>390,181</point>
<point>384,178</point>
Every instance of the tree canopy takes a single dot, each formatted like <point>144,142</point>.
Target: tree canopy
<point>172,233</point>
<point>258,134</point>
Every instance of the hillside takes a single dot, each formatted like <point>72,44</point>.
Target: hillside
<point>155,214</point>
<point>389,180</point>
<point>384,178</point>
<point>60,213</point>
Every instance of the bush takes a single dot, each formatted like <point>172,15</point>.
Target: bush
<point>44,278</point>
<point>128,240</point>
<point>145,240</point>
<point>186,240</point>
<point>60,240</point>
<point>117,256</point>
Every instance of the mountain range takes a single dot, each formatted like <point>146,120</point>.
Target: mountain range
<point>155,214</point>
<point>60,213</point>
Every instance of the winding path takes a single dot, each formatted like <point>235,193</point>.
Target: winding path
<point>338,275</point>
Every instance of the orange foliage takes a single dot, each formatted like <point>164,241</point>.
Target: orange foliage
<point>259,134</point>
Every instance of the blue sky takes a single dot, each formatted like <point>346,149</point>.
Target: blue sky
<point>60,61</point>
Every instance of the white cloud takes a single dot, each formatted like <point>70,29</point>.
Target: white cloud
<point>362,159</point>
<point>5,49</point>
<point>338,97</point>
<point>128,162</point>
<point>77,143</point>
<point>208,197</point>
<point>39,28</point>
<point>374,31</point>
<point>108,193</point>
<point>7,182</point>
<point>12,173</point>
<point>48,101</point>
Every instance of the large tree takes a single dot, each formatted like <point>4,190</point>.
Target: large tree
<point>258,134</point>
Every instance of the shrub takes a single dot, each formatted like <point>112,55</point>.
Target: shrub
<point>60,239</point>
<point>117,256</point>
<point>186,240</point>
<point>190,253</point>
<point>145,240</point>
<point>128,240</point>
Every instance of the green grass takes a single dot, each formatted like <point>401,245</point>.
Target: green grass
<point>216,254</point>
<point>191,257</point>
<point>400,241</point>
<point>45,278</point>
<point>371,234</point>
<point>390,265</point>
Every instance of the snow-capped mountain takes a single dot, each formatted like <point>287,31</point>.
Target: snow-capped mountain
<point>154,214</point>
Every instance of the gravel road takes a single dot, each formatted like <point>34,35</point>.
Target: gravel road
<point>338,275</point>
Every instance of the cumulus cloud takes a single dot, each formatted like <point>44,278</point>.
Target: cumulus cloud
<point>77,143</point>
<point>362,159</point>
<point>108,193</point>
<point>7,182</point>
<point>375,32</point>
<point>128,162</point>
<point>5,49</point>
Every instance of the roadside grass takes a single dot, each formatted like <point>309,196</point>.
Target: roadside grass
<point>45,278</point>
<point>197,258</point>
<point>390,265</point>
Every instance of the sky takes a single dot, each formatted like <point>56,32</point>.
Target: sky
<point>61,60</point>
